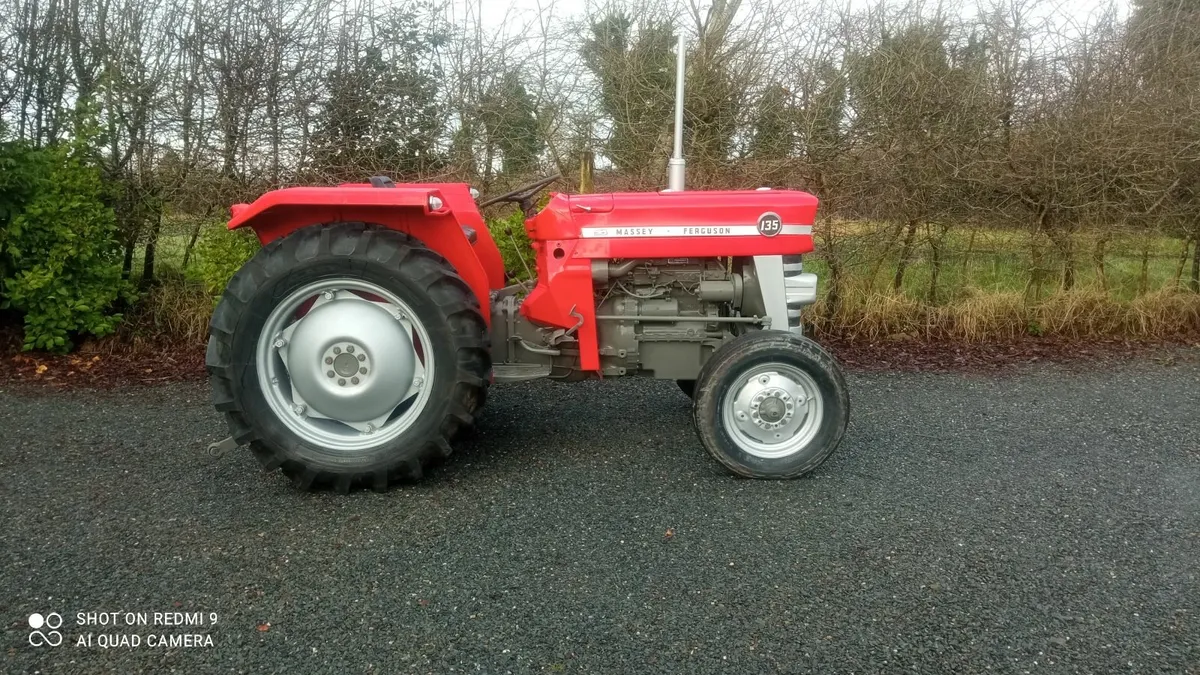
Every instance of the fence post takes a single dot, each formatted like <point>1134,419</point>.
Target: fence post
<point>587,169</point>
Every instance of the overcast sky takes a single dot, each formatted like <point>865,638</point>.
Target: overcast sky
<point>496,11</point>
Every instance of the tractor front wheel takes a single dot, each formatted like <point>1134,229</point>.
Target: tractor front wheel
<point>348,355</point>
<point>771,404</point>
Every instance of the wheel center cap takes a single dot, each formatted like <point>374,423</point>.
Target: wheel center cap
<point>330,365</point>
<point>345,364</point>
<point>772,410</point>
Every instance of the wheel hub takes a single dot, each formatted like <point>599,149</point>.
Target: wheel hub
<point>348,363</point>
<point>770,411</point>
<point>772,408</point>
<point>347,366</point>
<point>322,357</point>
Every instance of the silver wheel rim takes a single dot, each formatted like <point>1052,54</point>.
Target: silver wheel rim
<point>773,410</point>
<point>345,364</point>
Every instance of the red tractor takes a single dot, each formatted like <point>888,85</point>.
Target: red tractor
<point>363,336</point>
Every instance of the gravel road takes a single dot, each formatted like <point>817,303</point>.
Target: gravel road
<point>1042,521</point>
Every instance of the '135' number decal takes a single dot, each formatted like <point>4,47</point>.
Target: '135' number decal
<point>769,224</point>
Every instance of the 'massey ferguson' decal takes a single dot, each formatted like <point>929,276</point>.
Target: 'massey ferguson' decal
<point>686,231</point>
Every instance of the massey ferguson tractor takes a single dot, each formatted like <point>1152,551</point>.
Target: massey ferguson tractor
<point>363,336</point>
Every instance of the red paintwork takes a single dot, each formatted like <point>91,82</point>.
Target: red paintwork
<point>563,254</point>
<point>565,283</point>
<point>404,208</point>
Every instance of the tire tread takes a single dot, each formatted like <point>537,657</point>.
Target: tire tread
<point>427,269</point>
<point>706,419</point>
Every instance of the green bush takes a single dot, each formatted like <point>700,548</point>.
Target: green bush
<point>22,169</point>
<point>513,242</point>
<point>61,262</point>
<point>220,253</point>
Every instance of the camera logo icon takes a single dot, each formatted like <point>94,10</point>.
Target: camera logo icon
<point>49,637</point>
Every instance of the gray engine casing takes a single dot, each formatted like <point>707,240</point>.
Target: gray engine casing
<point>660,318</point>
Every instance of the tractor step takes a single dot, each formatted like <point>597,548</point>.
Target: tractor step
<point>519,372</point>
<point>221,447</point>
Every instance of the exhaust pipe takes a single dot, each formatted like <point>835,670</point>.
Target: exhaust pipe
<point>677,167</point>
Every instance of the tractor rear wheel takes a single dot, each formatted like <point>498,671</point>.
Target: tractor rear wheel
<point>771,404</point>
<point>348,355</point>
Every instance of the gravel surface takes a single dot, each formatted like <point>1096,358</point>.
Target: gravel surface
<point>1040,521</point>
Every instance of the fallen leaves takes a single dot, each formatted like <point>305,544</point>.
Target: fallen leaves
<point>101,364</point>
<point>988,357</point>
<point>104,374</point>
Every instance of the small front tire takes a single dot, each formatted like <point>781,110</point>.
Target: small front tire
<point>771,404</point>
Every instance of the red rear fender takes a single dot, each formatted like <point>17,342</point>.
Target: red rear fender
<point>439,215</point>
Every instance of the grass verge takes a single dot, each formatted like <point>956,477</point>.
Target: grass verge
<point>980,316</point>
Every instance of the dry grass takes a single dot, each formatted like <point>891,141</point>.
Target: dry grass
<point>870,316</point>
<point>982,316</point>
<point>174,311</point>
<point>979,316</point>
<point>1169,312</point>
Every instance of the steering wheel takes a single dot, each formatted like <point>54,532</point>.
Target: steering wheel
<point>523,195</point>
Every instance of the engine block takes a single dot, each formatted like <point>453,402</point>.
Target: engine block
<point>658,317</point>
<point>663,317</point>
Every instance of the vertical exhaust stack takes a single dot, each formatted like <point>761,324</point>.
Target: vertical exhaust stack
<point>677,167</point>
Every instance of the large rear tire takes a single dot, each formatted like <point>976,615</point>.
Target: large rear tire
<point>771,404</point>
<point>348,355</point>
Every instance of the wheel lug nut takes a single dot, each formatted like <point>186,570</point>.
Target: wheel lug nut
<point>362,371</point>
<point>362,357</point>
<point>299,410</point>
<point>354,380</point>
<point>337,350</point>
<point>280,343</point>
<point>329,360</point>
<point>328,295</point>
<point>341,382</point>
<point>330,373</point>
<point>419,382</point>
<point>350,349</point>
